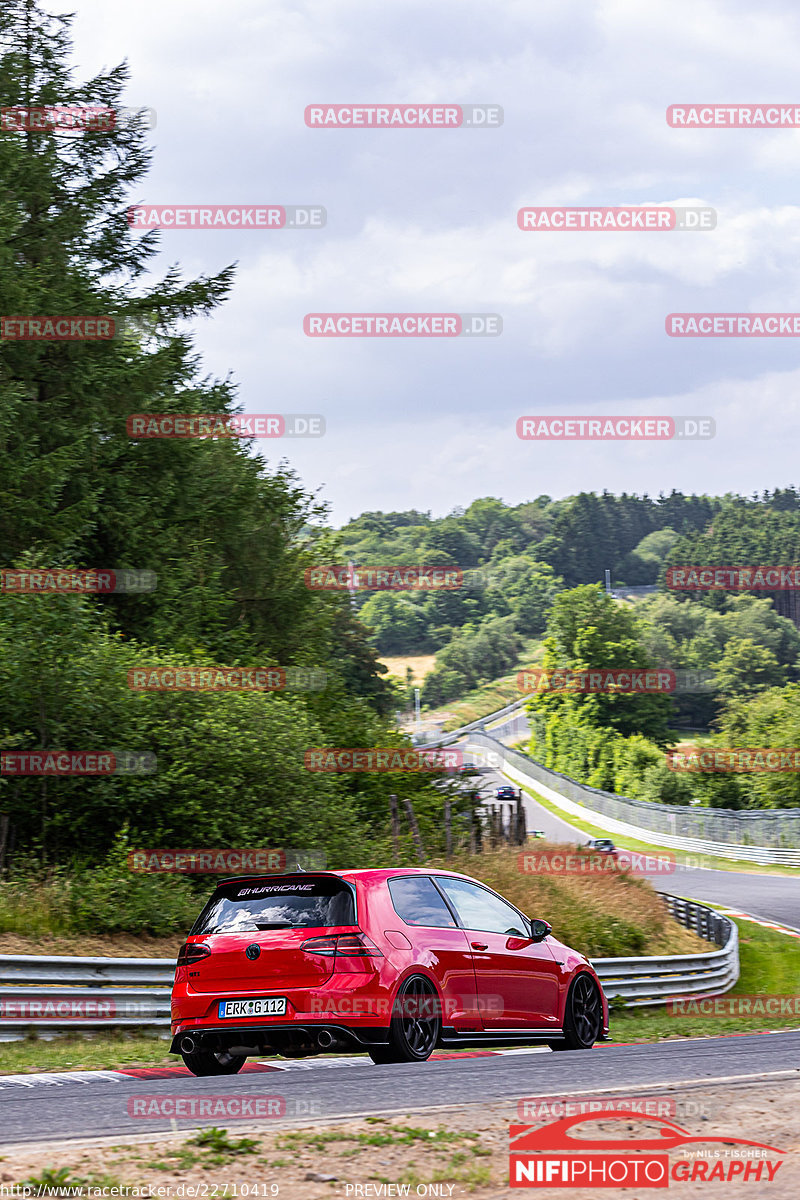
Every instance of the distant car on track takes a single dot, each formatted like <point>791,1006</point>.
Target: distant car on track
<point>506,793</point>
<point>602,846</point>
<point>394,961</point>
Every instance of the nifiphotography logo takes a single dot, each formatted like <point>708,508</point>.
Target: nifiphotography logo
<point>565,1154</point>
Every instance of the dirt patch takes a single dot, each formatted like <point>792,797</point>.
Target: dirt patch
<point>462,1151</point>
<point>121,945</point>
<point>420,664</point>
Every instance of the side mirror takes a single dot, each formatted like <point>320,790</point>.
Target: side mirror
<point>540,930</point>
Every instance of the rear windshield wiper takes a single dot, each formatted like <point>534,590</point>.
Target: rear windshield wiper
<point>273,925</point>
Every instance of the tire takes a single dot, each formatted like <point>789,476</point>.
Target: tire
<point>583,1016</point>
<point>413,1035</point>
<point>208,1062</point>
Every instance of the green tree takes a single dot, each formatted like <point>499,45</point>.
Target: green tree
<point>746,668</point>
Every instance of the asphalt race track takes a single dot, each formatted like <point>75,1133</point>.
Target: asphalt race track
<point>773,897</point>
<point>331,1091</point>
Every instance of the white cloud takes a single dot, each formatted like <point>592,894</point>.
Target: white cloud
<point>426,221</point>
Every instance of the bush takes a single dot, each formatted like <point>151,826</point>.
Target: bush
<point>97,900</point>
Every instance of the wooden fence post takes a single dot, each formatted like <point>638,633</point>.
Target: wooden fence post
<point>395,826</point>
<point>412,820</point>
<point>475,830</point>
<point>4,819</point>
<point>521,830</point>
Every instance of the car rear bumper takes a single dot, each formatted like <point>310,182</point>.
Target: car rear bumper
<point>286,1037</point>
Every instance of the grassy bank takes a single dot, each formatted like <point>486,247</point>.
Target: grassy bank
<point>127,915</point>
<point>604,916</point>
<point>493,695</point>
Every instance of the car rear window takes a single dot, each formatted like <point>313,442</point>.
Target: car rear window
<point>418,902</point>
<point>245,907</point>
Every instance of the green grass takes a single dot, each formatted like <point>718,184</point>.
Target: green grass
<point>628,843</point>
<point>60,1181</point>
<point>490,696</point>
<point>105,1052</point>
<point>770,965</point>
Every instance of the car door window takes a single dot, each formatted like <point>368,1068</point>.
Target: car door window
<point>481,910</point>
<point>417,902</point>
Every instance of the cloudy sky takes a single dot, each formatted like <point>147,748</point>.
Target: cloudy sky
<point>425,221</point>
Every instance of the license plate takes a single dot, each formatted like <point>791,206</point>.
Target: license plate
<point>272,1006</point>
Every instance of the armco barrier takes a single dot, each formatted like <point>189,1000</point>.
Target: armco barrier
<point>129,992</point>
<point>642,981</point>
<point>765,836</point>
<point>55,995</point>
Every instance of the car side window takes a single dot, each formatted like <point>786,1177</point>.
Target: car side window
<point>417,902</point>
<point>481,910</point>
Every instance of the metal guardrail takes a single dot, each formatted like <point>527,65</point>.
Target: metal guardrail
<point>645,981</point>
<point>35,992</point>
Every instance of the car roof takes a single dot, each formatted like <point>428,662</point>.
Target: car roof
<point>376,874</point>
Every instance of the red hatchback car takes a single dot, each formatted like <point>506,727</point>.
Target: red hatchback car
<point>395,962</point>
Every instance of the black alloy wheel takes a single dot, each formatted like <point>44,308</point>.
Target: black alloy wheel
<point>583,1016</point>
<point>416,1024</point>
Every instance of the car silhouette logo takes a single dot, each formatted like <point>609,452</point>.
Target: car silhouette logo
<point>253,951</point>
<point>557,1135</point>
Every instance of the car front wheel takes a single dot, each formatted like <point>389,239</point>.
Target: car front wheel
<point>583,1016</point>
<point>416,1024</point>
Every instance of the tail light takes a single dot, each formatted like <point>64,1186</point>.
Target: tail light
<point>192,952</point>
<point>343,945</point>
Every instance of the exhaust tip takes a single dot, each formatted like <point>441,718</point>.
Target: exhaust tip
<point>325,1039</point>
<point>188,1045</point>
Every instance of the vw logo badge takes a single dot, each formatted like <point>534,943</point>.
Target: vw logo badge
<point>253,951</point>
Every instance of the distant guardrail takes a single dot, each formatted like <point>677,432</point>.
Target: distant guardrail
<point>53,996</point>
<point>765,836</point>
